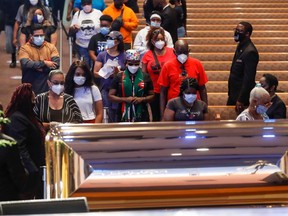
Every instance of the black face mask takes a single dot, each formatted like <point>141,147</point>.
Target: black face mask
<point>238,37</point>
<point>118,5</point>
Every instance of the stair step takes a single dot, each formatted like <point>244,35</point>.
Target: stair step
<point>191,27</point>
<point>247,4</point>
<point>236,2</point>
<point>230,33</point>
<point>262,65</point>
<point>238,15</point>
<point>222,86</point>
<point>220,99</point>
<point>224,75</point>
<point>232,21</point>
<point>222,113</point>
<point>236,10</point>
<point>231,47</point>
<point>229,56</point>
<point>229,40</point>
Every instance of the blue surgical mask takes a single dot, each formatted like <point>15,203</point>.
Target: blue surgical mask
<point>155,24</point>
<point>104,30</point>
<point>39,40</point>
<point>260,109</point>
<point>110,43</point>
<point>190,98</point>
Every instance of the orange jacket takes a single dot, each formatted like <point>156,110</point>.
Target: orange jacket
<point>130,21</point>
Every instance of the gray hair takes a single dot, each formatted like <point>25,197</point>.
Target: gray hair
<point>257,93</point>
<point>54,72</point>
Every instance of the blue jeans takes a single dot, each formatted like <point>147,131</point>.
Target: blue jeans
<point>10,48</point>
<point>83,54</point>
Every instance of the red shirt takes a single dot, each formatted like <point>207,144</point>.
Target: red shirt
<point>171,75</point>
<point>154,73</point>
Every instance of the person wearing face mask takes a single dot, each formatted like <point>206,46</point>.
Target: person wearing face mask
<point>140,41</point>
<point>38,57</point>
<point>125,18</point>
<point>169,17</point>
<point>186,107</point>
<point>37,16</point>
<point>55,105</point>
<point>243,69</point>
<point>84,25</point>
<point>79,84</point>
<point>175,70</point>
<point>98,42</point>
<point>132,89</point>
<point>153,61</point>
<point>277,110</point>
<point>22,16</point>
<point>259,103</point>
<point>115,52</point>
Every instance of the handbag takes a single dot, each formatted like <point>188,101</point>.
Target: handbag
<point>157,67</point>
<point>117,23</point>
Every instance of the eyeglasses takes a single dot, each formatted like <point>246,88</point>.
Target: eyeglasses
<point>57,83</point>
<point>133,64</point>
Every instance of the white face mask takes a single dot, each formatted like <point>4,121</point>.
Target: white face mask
<point>33,2</point>
<point>57,89</point>
<point>79,80</point>
<point>182,58</point>
<point>190,98</point>
<point>87,8</point>
<point>110,43</point>
<point>133,68</point>
<point>155,24</point>
<point>160,44</point>
<point>40,18</point>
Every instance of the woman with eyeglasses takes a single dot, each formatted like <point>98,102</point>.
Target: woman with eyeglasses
<point>152,62</point>
<point>79,84</point>
<point>186,107</point>
<point>132,89</point>
<point>55,105</point>
<point>114,52</point>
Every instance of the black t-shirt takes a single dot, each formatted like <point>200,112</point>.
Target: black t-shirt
<point>97,43</point>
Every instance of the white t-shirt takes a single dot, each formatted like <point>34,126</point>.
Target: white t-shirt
<point>83,98</point>
<point>89,26</point>
<point>140,42</point>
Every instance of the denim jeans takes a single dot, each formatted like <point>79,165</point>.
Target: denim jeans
<point>83,54</point>
<point>10,48</point>
<point>181,32</point>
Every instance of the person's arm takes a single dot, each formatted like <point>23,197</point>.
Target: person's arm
<point>99,111</point>
<point>91,48</point>
<point>203,94</point>
<point>116,99</point>
<point>69,10</point>
<point>130,21</point>
<point>163,99</point>
<point>15,30</point>
<point>168,115</point>
<point>22,39</point>
<point>97,66</point>
<point>144,68</point>
<point>54,38</point>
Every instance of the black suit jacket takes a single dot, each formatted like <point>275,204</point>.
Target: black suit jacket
<point>242,73</point>
<point>169,22</point>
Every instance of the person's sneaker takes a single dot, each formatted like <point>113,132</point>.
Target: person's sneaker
<point>12,65</point>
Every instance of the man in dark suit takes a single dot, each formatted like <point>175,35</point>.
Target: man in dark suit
<point>243,69</point>
<point>169,17</point>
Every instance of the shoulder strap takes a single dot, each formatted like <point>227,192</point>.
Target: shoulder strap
<point>156,60</point>
<point>122,12</point>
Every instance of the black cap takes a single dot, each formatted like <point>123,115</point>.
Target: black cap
<point>86,2</point>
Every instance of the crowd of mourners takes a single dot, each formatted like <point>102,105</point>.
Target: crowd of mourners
<point>149,77</point>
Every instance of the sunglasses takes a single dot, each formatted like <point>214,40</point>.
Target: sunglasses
<point>133,64</point>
